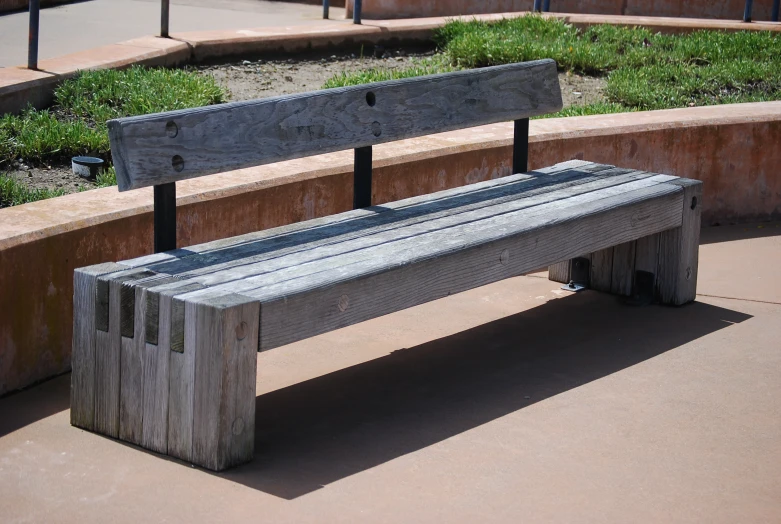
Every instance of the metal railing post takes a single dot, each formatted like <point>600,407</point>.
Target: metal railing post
<point>32,44</point>
<point>537,6</point>
<point>546,6</point>
<point>325,9</point>
<point>164,11</point>
<point>357,4</point>
<point>747,11</point>
<point>774,16</point>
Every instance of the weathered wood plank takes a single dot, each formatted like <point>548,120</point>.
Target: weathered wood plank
<point>243,251</point>
<point>226,334</point>
<point>108,362</point>
<point>602,270</point>
<point>180,383</point>
<point>623,269</point>
<point>83,351</point>
<point>292,311</point>
<point>679,250</point>
<point>380,253</point>
<point>646,258</point>
<point>560,272</point>
<point>132,370</point>
<point>166,147</point>
<point>466,194</point>
<point>506,216</point>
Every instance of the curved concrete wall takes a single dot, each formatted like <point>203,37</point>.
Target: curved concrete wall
<point>724,9</point>
<point>733,149</point>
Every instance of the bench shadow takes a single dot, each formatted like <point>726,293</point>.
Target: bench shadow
<point>29,405</point>
<point>317,432</point>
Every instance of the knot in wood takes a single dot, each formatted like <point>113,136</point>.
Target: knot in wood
<point>344,303</point>
<point>241,331</point>
<point>238,426</point>
<point>504,257</point>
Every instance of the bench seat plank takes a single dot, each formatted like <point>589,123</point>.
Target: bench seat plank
<point>624,205</point>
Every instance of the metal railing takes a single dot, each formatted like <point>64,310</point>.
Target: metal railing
<point>542,6</point>
<point>357,7</point>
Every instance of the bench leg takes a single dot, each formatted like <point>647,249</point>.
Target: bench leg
<point>660,267</point>
<point>223,336</point>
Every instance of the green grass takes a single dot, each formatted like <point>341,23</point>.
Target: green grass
<point>644,70</point>
<point>76,124</point>
<point>14,193</point>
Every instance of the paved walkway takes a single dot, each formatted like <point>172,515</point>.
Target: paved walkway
<point>513,402</point>
<point>76,27</point>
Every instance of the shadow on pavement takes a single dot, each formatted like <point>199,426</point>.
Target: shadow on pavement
<point>320,431</point>
<point>21,408</point>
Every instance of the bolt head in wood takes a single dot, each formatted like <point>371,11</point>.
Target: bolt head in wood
<point>504,258</point>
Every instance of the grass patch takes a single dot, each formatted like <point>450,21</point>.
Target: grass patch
<point>76,124</point>
<point>644,70</point>
<point>14,193</point>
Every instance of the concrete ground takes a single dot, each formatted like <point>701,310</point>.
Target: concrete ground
<point>514,402</point>
<point>84,25</point>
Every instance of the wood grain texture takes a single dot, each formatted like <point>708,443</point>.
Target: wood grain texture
<point>384,251</point>
<point>250,254</point>
<point>288,315</point>
<point>167,147</point>
<point>679,250</point>
<point>224,389</point>
<point>180,383</point>
<point>271,268</point>
<point>83,349</point>
<point>449,198</point>
<point>646,256</point>
<point>560,272</point>
<point>132,372</point>
<point>623,269</point>
<point>108,354</point>
<point>602,270</point>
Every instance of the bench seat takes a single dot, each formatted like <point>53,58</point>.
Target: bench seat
<point>165,344</point>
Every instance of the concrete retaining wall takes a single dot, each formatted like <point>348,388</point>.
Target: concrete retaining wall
<point>733,149</point>
<point>722,9</point>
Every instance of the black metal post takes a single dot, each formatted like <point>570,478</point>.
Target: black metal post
<point>32,44</point>
<point>165,217</point>
<point>325,9</point>
<point>546,6</point>
<point>747,11</point>
<point>774,16</point>
<point>165,9</point>
<point>537,6</point>
<point>521,146</point>
<point>362,179</point>
<point>357,5</point>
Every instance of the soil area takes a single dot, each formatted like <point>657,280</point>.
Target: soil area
<point>247,79</point>
<point>250,79</point>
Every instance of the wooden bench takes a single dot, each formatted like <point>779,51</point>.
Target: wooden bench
<point>164,346</point>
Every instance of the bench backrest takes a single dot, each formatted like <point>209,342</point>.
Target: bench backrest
<point>161,149</point>
<point>167,147</point>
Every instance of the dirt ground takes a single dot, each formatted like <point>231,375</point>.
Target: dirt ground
<point>250,79</point>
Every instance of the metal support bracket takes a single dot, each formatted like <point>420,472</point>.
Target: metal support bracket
<point>580,275</point>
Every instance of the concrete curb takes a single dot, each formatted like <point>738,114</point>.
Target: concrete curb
<point>42,242</point>
<point>20,87</point>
